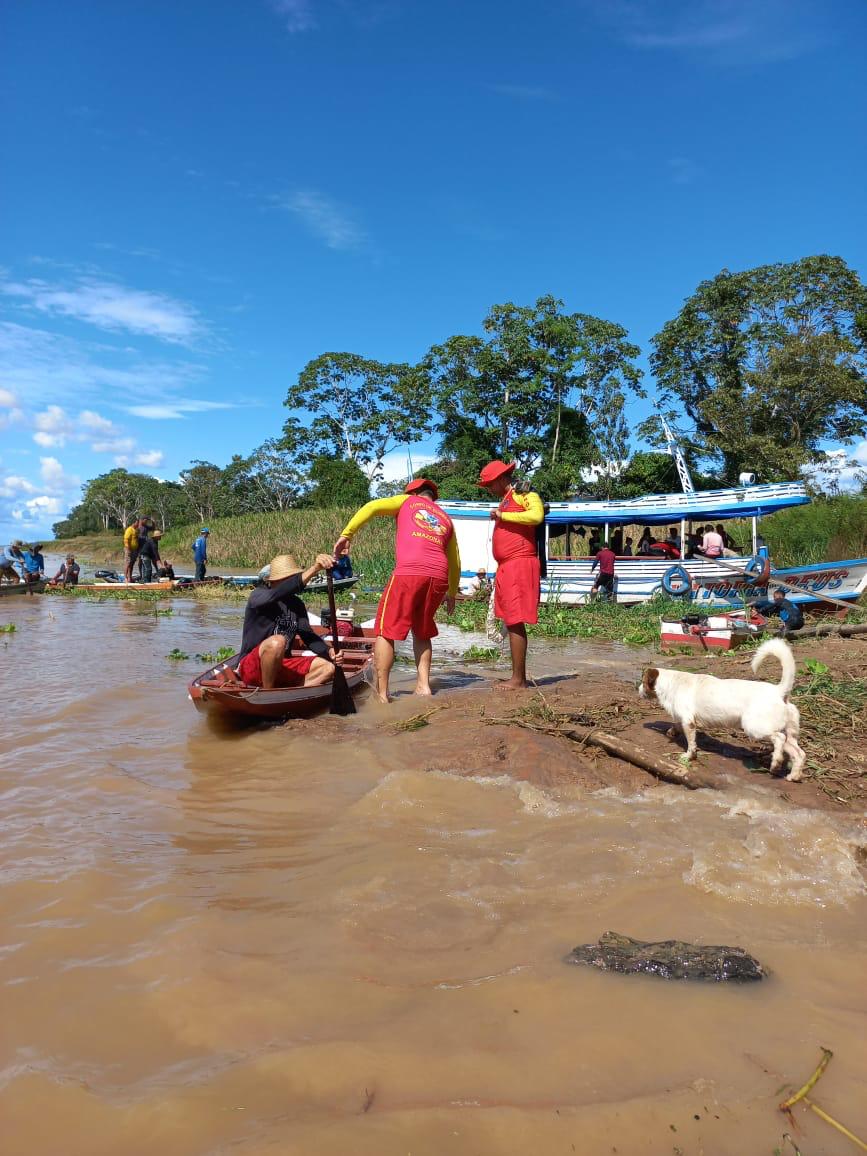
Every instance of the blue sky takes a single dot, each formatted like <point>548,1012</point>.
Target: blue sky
<point>199,197</point>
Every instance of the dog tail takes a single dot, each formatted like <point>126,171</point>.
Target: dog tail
<point>777,648</point>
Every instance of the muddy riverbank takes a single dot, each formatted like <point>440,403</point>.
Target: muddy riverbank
<point>343,936</point>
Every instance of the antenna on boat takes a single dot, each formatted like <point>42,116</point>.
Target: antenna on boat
<point>672,447</point>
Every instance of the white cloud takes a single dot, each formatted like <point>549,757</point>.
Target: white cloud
<point>297,15</point>
<point>118,445</point>
<point>842,469</point>
<point>7,399</point>
<point>89,420</point>
<point>150,458</point>
<point>325,219</point>
<point>54,477</point>
<point>108,305</point>
<point>170,410</point>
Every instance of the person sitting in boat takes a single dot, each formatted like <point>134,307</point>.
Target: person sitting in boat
<point>626,552</point>
<point>646,541</point>
<point>788,612</point>
<point>34,564</point>
<point>12,562</point>
<point>478,586</point>
<point>68,573</point>
<point>711,543</point>
<point>274,615</point>
<point>594,545</point>
<point>166,570</point>
<point>617,541</point>
<point>670,548</point>
<point>342,567</point>
<point>605,579</point>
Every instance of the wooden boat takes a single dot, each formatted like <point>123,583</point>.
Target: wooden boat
<point>10,588</point>
<point>282,702</point>
<point>317,586</point>
<point>712,631</point>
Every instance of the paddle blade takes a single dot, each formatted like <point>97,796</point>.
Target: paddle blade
<point>341,696</point>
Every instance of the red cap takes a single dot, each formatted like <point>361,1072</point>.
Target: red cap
<point>494,470</point>
<point>417,484</point>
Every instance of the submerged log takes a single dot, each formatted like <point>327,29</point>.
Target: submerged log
<point>670,959</point>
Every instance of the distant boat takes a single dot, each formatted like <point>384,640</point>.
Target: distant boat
<point>569,579</point>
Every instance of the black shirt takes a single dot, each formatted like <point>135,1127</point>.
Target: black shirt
<point>149,548</point>
<point>789,612</point>
<point>279,610</point>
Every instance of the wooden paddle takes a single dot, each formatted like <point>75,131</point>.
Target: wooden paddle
<point>341,696</point>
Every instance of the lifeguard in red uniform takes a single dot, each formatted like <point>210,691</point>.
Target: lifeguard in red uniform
<point>518,578</point>
<point>426,574</point>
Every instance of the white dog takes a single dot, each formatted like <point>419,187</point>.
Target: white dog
<point>760,709</point>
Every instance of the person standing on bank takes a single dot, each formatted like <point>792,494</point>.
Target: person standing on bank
<point>427,573</point>
<point>517,583</point>
<point>200,554</point>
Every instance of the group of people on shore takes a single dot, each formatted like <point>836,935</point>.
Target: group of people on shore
<point>426,576</point>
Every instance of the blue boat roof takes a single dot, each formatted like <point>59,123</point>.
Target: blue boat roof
<point>658,509</point>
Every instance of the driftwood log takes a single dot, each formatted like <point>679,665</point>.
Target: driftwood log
<point>828,630</point>
<point>693,780</point>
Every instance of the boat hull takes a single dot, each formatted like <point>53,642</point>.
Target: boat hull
<point>713,632</point>
<point>10,589</point>
<point>254,702</point>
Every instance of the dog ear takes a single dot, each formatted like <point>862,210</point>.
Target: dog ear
<point>649,679</point>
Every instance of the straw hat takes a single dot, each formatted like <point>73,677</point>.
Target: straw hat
<point>283,566</point>
<point>157,534</point>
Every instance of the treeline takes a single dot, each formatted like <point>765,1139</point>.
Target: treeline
<point>758,370</point>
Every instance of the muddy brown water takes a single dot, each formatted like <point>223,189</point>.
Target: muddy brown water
<point>258,943</point>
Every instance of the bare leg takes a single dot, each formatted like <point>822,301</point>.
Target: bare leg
<point>271,653</point>
<point>320,672</point>
<point>383,661</point>
<point>423,651</point>
<point>518,648</point>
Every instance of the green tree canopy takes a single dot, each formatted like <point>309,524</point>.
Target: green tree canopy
<point>336,482</point>
<point>767,364</point>
<point>360,408</point>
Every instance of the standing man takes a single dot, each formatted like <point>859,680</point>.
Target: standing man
<point>200,553</point>
<point>517,582</point>
<point>149,553</point>
<point>604,559</point>
<point>427,572</point>
<point>131,544</point>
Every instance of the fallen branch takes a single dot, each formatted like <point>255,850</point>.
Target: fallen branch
<point>828,630</point>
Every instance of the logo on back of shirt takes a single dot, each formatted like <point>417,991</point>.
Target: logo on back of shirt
<point>427,520</point>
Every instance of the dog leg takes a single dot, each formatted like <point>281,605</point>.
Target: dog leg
<point>779,741</point>
<point>797,757</point>
<point>691,735</point>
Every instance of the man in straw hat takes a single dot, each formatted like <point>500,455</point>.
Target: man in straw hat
<point>518,577</point>
<point>274,615</point>
<point>12,562</point>
<point>427,573</point>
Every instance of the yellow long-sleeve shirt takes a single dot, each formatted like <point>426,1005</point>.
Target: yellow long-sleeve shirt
<point>533,513</point>
<point>404,547</point>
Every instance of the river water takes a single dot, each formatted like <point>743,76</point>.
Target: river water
<point>263,943</point>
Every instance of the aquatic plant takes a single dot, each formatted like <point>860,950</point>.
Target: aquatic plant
<point>177,655</point>
<point>8,628</point>
<point>218,656</point>
<point>481,654</point>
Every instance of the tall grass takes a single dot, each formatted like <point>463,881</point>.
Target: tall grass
<point>251,540</point>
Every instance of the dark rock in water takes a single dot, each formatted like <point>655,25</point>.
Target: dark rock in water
<point>670,959</point>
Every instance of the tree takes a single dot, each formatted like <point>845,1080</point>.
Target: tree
<point>361,408</point>
<point>271,479</point>
<point>559,474</point>
<point>767,364</point>
<point>116,497</point>
<point>337,482</point>
<point>535,365</point>
<point>202,482</point>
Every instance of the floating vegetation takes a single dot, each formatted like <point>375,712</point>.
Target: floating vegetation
<point>167,612</point>
<point>416,721</point>
<point>481,654</point>
<point>177,655</point>
<point>8,628</point>
<point>217,656</point>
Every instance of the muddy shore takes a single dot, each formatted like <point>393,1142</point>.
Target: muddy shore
<point>458,732</point>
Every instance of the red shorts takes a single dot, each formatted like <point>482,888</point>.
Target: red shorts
<point>516,591</point>
<point>294,670</point>
<point>409,603</point>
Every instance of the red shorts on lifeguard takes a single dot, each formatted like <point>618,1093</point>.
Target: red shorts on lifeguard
<point>409,603</point>
<point>516,591</point>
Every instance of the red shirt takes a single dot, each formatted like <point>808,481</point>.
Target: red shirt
<point>513,539</point>
<point>423,533</point>
<point>605,558</point>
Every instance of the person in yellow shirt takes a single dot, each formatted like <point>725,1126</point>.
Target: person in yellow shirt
<point>427,573</point>
<point>131,547</point>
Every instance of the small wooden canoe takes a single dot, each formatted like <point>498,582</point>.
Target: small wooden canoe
<point>711,632</point>
<point>281,702</point>
<point>9,588</point>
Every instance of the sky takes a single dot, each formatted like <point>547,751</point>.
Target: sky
<point>200,197</point>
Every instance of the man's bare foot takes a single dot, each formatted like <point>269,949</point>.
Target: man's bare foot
<point>512,684</point>
<point>424,691</point>
<point>385,699</point>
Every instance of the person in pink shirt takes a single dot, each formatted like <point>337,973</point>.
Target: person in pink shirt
<point>712,544</point>
<point>426,574</point>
